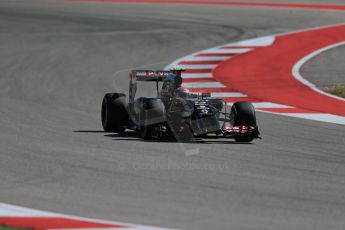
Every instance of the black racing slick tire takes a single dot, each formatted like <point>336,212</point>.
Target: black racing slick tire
<point>243,114</point>
<point>114,112</point>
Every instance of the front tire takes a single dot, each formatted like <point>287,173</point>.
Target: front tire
<point>243,114</point>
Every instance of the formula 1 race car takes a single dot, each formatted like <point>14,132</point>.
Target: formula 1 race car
<point>176,113</point>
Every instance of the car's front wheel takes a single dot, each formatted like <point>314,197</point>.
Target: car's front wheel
<point>243,114</point>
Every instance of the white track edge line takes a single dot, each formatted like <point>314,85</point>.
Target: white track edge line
<point>297,68</point>
<point>305,116</point>
<point>309,29</point>
<point>270,105</point>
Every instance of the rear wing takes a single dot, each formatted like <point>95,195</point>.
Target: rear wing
<point>144,75</point>
<point>149,75</point>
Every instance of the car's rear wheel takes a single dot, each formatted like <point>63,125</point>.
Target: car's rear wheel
<point>114,112</point>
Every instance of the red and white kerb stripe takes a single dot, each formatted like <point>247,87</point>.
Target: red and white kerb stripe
<point>20,217</point>
<point>266,72</point>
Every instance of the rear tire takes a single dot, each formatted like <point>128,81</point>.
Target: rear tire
<point>114,112</point>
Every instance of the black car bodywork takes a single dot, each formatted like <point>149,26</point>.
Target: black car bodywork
<point>170,116</point>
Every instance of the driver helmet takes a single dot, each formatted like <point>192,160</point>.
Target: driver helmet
<point>182,92</point>
<point>177,73</point>
<point>177,70</point>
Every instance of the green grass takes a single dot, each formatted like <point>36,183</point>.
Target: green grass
<point>338,91</point>
<point>5,227</point>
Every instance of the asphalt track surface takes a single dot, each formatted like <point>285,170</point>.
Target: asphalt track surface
<point>58,59</point>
